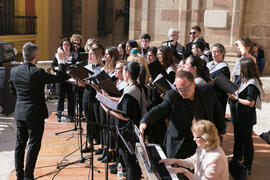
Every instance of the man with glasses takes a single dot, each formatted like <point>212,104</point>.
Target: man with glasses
<point>194,33</point>
<point>176,47</point>
<point>182,106</point>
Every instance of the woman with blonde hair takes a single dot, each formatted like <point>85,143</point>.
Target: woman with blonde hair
<point>142,61</point>
<point>90,103</point>
<point>111,57</point>
<point>209,161</point>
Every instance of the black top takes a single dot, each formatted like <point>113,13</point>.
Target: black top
<point>28,81</point>
<point>130,109</point>
<point>244,114</point>
<point>175,107</point>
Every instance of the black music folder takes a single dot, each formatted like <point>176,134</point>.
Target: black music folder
<point>78,71</point>
<point>109,86</point>
<point>225,84</point>
<point>162,84</point>
<point>155,68</point>
<point>101,76</point>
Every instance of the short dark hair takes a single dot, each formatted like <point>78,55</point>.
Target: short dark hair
<point>132,43</point>
<point>185,74</point>
<point>221,49</point>
<point>196,28</point>
<point>199,44</point>
<point>29,51</point>
<point>146,36</point>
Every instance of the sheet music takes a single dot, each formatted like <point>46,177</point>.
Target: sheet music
<point>107,102</point>
<point>137,132</point>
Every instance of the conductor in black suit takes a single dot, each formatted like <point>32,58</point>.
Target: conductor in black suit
<point>188,102</point>
<point>28,82</point>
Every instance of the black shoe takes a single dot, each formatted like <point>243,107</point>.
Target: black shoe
<point>111,157</point>
<point>113,170</point>
<point>70,119</point>
<point>113,165</point>
<point>86,150</point>
<point>99,151</point>
<point>58,119</point>
<point>104,154</point>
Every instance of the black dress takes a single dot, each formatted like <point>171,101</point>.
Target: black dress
<point>221,95</point>
<point>244,118</point>
<point>130,109</point>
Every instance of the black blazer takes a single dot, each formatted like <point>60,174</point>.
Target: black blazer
<point>28,82</point>
<point>174,107</point>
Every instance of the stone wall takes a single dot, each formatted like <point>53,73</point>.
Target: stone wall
<point>250,18</point>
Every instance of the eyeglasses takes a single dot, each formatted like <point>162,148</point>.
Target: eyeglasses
<point>192,33</point>
<point>184,89</point>
<point>172,35</point>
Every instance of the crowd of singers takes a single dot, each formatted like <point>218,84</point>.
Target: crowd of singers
<point>165,118</point>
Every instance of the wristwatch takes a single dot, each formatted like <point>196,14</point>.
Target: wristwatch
<point>185,171</point>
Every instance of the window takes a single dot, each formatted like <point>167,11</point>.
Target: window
<point>13,25</point>
<point>105,17</point>
<point>71,17</point>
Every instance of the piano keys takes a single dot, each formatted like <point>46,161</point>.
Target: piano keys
<point>154,171</point>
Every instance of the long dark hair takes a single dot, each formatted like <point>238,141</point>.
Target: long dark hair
<point>202,70</point>
<point>136,71</point>
<point>167,56</point>
<point>248,70</point>
<point>62,42</point>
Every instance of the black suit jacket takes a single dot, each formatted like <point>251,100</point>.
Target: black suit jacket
<point>174,107</point>
<point>28,82</point>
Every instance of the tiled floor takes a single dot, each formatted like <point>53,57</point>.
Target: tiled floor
<point>55,148</point>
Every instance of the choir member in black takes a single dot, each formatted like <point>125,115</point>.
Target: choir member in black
<point>197,67</point>
<point>165,56</point>
<point>258,53</point>
<point>217,67</point>
<point>64,52</point>
<point>177,48</point>
<point>77,42</point>
<point>130,45</point>
<point>111,57</point>
<point>132,105</point>
<point>145,43</point>
<point>90,103</point>
<point>151,54</point>
<point>181,106</point>
<point>122,50</point>
<point>243,106</point>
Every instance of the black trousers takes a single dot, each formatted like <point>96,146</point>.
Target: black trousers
<point>126,159</point>
<point>243,144</point>
<point>62,89</point>
<point>31,132</point>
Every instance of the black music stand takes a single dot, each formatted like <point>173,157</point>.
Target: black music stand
<point>78,72</point>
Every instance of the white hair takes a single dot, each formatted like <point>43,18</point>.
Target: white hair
<point>173,30</point>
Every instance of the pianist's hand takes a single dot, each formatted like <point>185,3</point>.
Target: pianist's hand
<point>177,170</point>
<point>142,128</point>
<point>168,161</point>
